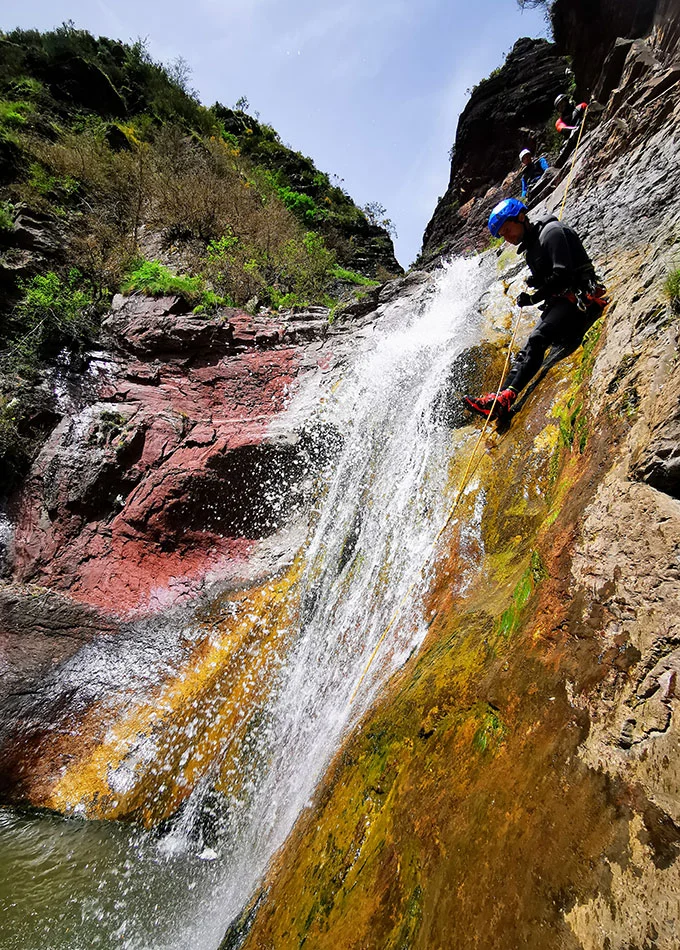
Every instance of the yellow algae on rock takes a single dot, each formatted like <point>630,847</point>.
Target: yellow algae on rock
<point>149,761</point>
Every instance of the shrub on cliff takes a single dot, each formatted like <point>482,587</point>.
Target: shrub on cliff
<point>229,222</point>
<point>55,312</point>
<point>6,216</point>
<point>298,271</point>
<point>101,92</point>
<point>13,114</point>
<point>672,290</point>
<point>155,280</point>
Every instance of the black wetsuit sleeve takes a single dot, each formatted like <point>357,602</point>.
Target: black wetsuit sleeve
<point>558,254</point>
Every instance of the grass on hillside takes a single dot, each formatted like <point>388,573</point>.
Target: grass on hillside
<point>115,153</point>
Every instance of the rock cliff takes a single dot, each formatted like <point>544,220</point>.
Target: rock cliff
<point>514,109</point>
<point>587,32</point>
<point>179,472</point>
<point>517,784</point>
<point>516,781</point>
<point>505,113</point>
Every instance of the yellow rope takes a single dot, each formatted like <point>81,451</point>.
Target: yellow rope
<point>464,480</point>
<point>573,162</point>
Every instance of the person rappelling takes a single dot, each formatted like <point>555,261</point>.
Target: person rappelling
<point>534,169</point>
<point>570,295</point>
<point>570,116</point>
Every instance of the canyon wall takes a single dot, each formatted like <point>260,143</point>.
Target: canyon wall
<point>517,784</point>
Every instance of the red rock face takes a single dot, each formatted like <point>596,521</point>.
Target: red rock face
<point>171,477</point>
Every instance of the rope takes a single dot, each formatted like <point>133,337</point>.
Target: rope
<point>573,162</point>
<point>466,474</point>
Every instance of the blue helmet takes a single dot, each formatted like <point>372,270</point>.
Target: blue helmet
<point>504,210</point>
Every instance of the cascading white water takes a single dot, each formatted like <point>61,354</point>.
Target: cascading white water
<point>379,515</point>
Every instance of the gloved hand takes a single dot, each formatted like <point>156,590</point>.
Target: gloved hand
<point>524,299</point>
<point>531,281</point>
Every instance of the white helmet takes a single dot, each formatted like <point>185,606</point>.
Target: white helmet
<point>524,153</point>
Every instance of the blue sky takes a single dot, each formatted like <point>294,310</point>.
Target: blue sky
<point>370,89</point>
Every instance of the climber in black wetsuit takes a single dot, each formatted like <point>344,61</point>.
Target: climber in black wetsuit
<point>570,116</point>
<point>566,287</point>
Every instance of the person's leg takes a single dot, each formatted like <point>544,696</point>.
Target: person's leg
<point>569,329</point>
<point>526,364</point>
<point>562,327</point>
<point>528,361</point>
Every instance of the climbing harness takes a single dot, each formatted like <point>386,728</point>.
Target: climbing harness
<point>593,294</point>
<point>466,475</point>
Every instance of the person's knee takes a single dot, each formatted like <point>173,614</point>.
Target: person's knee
<point>538,341</point>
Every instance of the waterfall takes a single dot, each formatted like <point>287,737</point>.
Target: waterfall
<point>367,565</point>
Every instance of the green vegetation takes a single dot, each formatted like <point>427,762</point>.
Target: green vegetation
<point>108,148</point>
<point>153,279</point>
<point>300,271</point>
<point>351,277</point>
<point>590,342</point>
<point>303,272</point>
<point>491,731</point>
<point>142,153</point>
<point>573,425</point>
<point>672,290</point>
<point>55,187</point>
<point>122,142</point>
<point>13,114</point>
<point>6,216</point>
<point>510,618</point>
<point>301,205</point>
<point>54,311</point>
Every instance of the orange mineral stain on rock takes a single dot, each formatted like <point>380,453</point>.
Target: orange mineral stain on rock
<point>466,765</point>
<point>149,761</point>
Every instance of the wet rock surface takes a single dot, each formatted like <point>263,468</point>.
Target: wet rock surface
<point>177,412</point>
<point>517,782</point>
<point>181,466</point>
<point>527,759</point>
<point>41,629</point>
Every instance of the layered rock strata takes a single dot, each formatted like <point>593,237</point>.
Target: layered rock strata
<point>152,548</point>
<point>517,784</point>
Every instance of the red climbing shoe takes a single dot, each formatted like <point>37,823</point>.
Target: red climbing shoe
<point>484,405</point>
